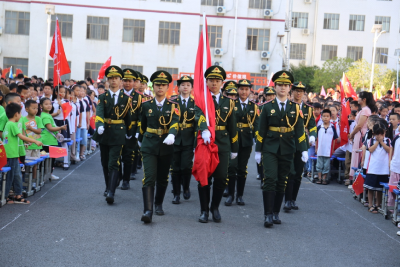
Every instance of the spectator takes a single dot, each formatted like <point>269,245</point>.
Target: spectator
<point>394,120</point>
<point>73,122</point>
<point>13,88</point>
<point>23,92</point>
<point>48,91</point>
<point>101,89</point>
<point>394,167</point>
<point>354,105</point>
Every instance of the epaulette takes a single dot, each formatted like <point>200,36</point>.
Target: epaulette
<point>127,95</point>
<point>173,97</point>
<point>146,101</point>
<point>140,93</point>
<point>173,102</point>
<point>262,104</point>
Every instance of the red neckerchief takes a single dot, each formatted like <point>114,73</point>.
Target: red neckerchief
<point>318,118</point>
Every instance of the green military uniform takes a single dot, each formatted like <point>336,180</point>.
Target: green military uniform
<point>280,135</point>
<point>182,162</point>
<point>246,123</point>
<point>113,123</point>
<point>226,138</point>
<point>297,168</point>
<point>159,123</point>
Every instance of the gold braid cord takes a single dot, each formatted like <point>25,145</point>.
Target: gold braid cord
<point>308,117</point>
<point>185,119</point>
<point>258,137</point>
<point>231,107</point>
<point>297,116</point>
<point>162,119</point>
<point>138,104</point>
<point>249,120</point>
<point>128,105</point>
<point>201,120</point>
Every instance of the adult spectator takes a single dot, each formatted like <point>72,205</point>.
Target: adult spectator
<point>388,96</point>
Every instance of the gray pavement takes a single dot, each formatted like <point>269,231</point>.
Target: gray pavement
<point>69,223</point>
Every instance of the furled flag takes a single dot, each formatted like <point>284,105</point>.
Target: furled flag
<point>344,118</point>
<point>358,184</point>
<point>205,156</point>
<point>323,91</point>
<point>348,89</point>
<point>270,82</point>
<point>3,157</point>
<point>103,68</point>
<point>57,152</point>
<point>92,122</point>
<point>59,59</point>
<point>11,74</point>
<point>66,108</point>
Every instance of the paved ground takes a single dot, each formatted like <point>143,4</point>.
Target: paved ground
<point>69,223</point>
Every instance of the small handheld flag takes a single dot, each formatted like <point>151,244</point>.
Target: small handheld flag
<point>57,152</point>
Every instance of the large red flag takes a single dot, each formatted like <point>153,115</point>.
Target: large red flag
<point>103,69</point>
<point>59,59</point>
<point>57,152</point>
<point>348,89</point>
<point>202,168</point>
<point>270,82</point>
<point>344,118</point>
<point>66,108</point>
<point>358,184</point>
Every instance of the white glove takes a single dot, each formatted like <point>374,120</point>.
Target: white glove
<point>304,156</point>
<point>233,155</point>
<point>100,130</point>
<point>128,137</point>
<point>206,135</point>
<point>137,135</point>
<point>258,157</point>
<point>312,140</point>
<point>139,144</point>
<point>170,140</point>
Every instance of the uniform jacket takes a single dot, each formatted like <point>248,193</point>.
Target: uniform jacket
<point>309,122</point>
<point>247,116</point>
<point>185,136</point>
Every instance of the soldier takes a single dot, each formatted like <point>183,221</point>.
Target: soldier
<point>247,120</point>
<point>113,123</point>
<point>128,151</point>
<point>226,138</point>
<point>182,162</point>
<point>280,135</point>
<point>232,93</point>
<point>159,126</point>
<point>293,186</point>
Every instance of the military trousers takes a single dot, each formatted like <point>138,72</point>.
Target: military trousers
<point>276,171</point>
<point>296,171</point>
<point>110,156</point>
<point>128,151</point>
<point>238,166</point>
<point>220,174</point>
<point>182,161</point>
<point>155,169</point>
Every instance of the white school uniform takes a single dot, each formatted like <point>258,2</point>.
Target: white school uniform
<point>325,137</point>
<point>379,159</point>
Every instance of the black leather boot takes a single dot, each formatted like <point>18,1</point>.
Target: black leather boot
<point>231,191</point>
<point>241,181</point>
<point>134,169</point>
<point>148,198</point>
<point>288,196</point>
<point>268,199</point>
<point>186,185</point>
<point>204,201</point>
<point>160,193</point>
<point>216,200</point>
<point>277,207</point>
<point>226,192</point>
<point>139,161</point>
<point>176,185</point>
<point>296,188</point>
<point>107,180</point>
<point>114,179</point>
<point>126,177</point>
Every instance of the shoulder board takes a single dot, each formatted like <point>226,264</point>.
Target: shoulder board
<point>293,102</point>
<point>140,93</point>
<point>144,101</point>
<point>173,98</point>
<point>169,100</point>
<point>262,104</point>
<point>127,95</point>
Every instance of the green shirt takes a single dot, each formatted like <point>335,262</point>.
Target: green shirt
<point>21,146</point>
<point>3,119</point>
<point>11,140</point>
<point>35,124</point>
<point>48,138</point>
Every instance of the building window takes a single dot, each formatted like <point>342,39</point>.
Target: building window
<point>65,23</point>
<point>381,55</point>
<point>172,1</point>
<point>133,67</point>
<point>254,80</point>
<point>328,52</point>
<point>260,4</point>
<point>258,39</point>
<point>384,21</point>
<point>17,22</point>
<point>63,77</point>
<point>212,2</point>
<point>169,33</point>
<point>300,20</point>
<point>214,35</point>
<point>133,31</point>
<point>97,28</point>
<point>356,23</point>
<point>92,70</point>
<point>16,63</point>
<point>331,21</point>
<point>355,52</point>
<point>298,51</point>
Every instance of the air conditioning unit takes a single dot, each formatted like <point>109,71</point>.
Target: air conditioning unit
<point>305,31</point>
<point>308,1</point>
<point>268,13</point>
<point>218,52</point>
<point>264,67</point>
<point>218,63</point>
<point>265,54</point>
<point>221,10</point>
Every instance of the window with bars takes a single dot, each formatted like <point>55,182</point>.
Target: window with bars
<point>92,69</point>
<point>331,21</point>
<point>97,28</point>
<point>16,63</point>
<point>63,77</point>
<point>260,4</point>
<point>298,51</point>
<point>133,31</point>
<point>172,1</point>
<point>258,39</point>
<point>65,24</point>
<point>17,22</point>
<point>169,33</point>
<point>214,35</point>
<point>212,2</point>
<point>356,23</point>
<point>300,20</point>
<point>133,67</point>
<point>384,21</point>
<point>329,52</point>
<point>381,55</point>
<point>355,52</point>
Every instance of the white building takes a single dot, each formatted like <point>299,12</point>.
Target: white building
<point>143,34</point>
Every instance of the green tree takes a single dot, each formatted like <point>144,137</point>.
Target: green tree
<point>304,74</point>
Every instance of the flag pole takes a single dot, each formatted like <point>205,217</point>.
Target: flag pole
<point>205,66</point>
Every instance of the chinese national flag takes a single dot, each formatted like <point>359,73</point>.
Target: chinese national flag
<point>93,122</point>
<point>348,89</point>
<point>358,184</point>
<point>3,157</point>
<point>66,108</point>
<point>344,118</point>
<point>270,82</point>
<point>57,152</point>
<point>102,71</point>
<point>391,187</point>
<point>59,59</point>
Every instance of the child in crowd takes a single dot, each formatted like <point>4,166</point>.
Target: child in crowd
<point>311,151</point>
<point>326,134</point>
<point>48,91</point>
<point>23,92</point>
<point>72,122</point>
<point>394,120</point>
<point>83,124</point>
<point>349,146</point>
<point>383,112</point>
<point>92,97</point>
<point>101,89</point>
<point>394,167</point>
<point>354,105</point>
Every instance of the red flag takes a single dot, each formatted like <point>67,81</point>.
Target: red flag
<point>204,101</point>
<point>57,152</point>
<point>66,108</point>
<point>391,187</point>
<point>270,82</point>
<point>358,184</point>
<point>348,89</point>
<point>3,157</point>
<point>393,89</point>
<point>59,59</point>
<point>5,73</point>
<point>93,122</point>
<point>344,118</point>
<point>103,68</point>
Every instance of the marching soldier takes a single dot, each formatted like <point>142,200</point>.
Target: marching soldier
<point>226,138</point>
<point>280,135</point>
<point>159,126</point>
<point>293,186</point>
<point>247,121</point>
<point>182,162</point>
<point>113,121</point>
<point>232,93</point>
